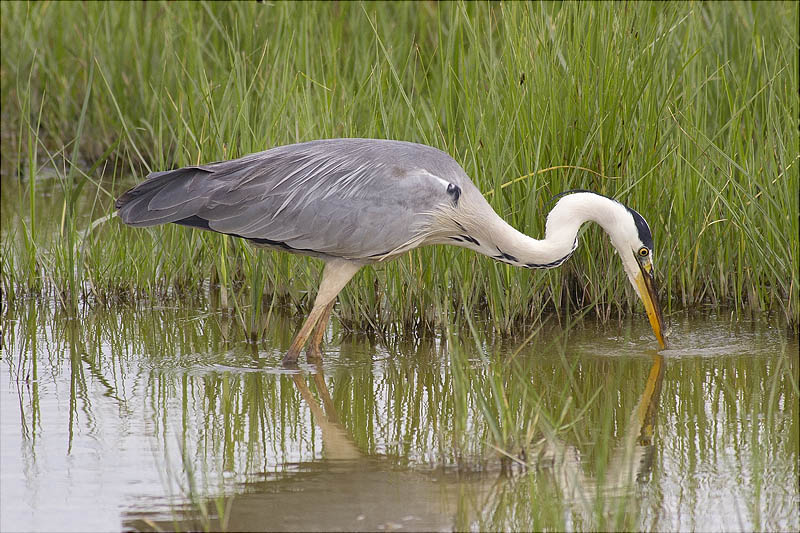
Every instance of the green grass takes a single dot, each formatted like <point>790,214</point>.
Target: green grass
<point>686,112</point>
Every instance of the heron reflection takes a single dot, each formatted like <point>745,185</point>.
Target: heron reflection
<point>337,442</point>
<point>631,460</point>
<point>361,491</point>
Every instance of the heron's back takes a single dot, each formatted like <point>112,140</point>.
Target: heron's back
<point>354,198</point>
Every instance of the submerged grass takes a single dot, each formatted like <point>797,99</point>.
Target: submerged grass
<point>685,111</point>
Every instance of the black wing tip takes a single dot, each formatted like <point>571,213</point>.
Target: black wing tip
<point>155,181</point>
<point>125,198</point>
<point>195,221</point>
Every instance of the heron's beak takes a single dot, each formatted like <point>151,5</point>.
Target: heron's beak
<point>646,283</point>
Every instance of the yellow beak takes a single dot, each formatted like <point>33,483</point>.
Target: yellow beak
<point>646,283</point>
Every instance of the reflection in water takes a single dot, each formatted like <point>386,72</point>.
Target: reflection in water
<point>344,490</point>
<point>573,493</point>
<point>338,445</point>
<point>357,492</point>
<point>136,418</point>
<point>630,461</point>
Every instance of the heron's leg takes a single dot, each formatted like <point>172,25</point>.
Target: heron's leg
<point>335,275</point>
<point>319,331</point>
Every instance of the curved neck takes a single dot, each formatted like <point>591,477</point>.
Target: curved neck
<point>497,239</point>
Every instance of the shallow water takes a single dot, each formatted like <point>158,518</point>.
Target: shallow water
<point>166,418</point>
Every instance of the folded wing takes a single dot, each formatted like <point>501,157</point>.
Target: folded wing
<point>352,198</point>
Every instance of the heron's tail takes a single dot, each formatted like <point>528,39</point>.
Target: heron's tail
<point>170,196</point>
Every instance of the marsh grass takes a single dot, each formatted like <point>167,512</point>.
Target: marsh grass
<point>686,112</point>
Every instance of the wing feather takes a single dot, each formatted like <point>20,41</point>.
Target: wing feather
<point>354,198</point>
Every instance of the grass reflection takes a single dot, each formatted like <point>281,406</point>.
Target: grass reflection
<point>447,432</point>
<point>490,496</point>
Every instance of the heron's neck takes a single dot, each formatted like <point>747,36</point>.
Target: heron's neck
<point>504,243</point>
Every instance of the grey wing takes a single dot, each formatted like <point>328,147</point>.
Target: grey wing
<point>358,200</point>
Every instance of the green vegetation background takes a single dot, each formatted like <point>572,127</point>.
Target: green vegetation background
<point>686,111</point>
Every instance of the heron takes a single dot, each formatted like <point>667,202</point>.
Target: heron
<point>355,202</point>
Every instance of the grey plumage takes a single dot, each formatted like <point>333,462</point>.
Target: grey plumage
<point>357,199</point>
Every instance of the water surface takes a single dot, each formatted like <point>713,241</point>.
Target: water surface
<point>166,418</point>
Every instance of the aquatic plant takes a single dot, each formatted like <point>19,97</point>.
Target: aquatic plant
<point>685,111</point>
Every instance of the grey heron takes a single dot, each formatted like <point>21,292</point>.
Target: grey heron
<point>353,202</point>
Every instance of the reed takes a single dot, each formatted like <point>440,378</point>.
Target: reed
<point>684,111</point>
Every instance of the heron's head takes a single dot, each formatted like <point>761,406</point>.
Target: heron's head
<point>629,233</point>
<point>633,240</point>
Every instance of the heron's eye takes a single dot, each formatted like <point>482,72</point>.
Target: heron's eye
<point>454,192</point>
<point>643,252</point>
